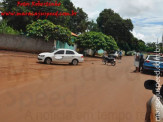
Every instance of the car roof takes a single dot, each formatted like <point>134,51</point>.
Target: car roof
<point>156,55</point>
<point>65,49</point>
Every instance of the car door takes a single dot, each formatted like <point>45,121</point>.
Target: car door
<point>69,56</point>
<point>58,56</point>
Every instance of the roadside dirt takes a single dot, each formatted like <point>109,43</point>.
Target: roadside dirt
<point>89,92</point>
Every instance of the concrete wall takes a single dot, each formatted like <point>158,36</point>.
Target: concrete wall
<point>22,43</point>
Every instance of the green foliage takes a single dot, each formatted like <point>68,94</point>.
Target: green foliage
<point>92,26</point>
<point>1,6</point>
<point>17,22</point>
<point>47,30</point>
<point>141,45</point>
<point>110,43</point>
<point>110,23</point>
<point>96,41</point>
<point>77,24</point>
<point>5,29</point>
<point>150,47</point>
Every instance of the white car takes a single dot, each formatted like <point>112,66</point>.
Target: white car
<point>61,56</point>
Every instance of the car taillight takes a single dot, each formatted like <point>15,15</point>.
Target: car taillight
<point>147,61</point>
<point>82,56</point>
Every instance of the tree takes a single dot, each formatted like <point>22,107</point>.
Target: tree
<point>20,22</point>
<point>80,21</point>
<point>151,47</point>
<point>1,6</point>
<point>92,26</point>
<point>47,30</point>
<point>110,23</point>
<point>96,41</point>
<point>5,29</point>
<point>17,22</point>
<point>77,24</point>
<point>141,45</point>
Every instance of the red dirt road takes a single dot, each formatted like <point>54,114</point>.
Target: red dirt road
<point>89,92</point>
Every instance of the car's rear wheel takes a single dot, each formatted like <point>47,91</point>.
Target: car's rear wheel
<point>48,61</point>
<point>75,62</point>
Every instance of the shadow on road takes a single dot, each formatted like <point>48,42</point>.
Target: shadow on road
<point>60,64</point>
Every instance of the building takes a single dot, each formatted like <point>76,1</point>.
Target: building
<point>59,44</point>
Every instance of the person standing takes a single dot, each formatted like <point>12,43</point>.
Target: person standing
<point>141,61</point>
<point>120,54</point>
<point>136,62</point>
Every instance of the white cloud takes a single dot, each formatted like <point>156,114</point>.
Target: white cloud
<point>138,35</point>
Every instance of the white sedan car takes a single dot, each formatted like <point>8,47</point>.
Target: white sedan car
<point>61,56</point>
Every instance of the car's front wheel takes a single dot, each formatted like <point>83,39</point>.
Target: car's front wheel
<point>48,61</point>
<point>75,62</point>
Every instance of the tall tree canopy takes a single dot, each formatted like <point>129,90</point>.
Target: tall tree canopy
<point>92,26</point>
<point>76,24</point>
<point>110,23</point>
<point>20,22</point>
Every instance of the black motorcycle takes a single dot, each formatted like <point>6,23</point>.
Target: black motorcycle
<point>107,60</point>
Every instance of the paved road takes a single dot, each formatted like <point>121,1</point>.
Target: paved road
<point>89,92</point>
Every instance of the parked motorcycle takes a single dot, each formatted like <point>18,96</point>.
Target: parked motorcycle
<point>107,60</point>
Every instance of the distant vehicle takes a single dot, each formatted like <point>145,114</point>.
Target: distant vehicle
<point>107,60</point>
<point>113,54</point>
<point>61,56</point>
<point>153,63</point>
<point>130,53</point>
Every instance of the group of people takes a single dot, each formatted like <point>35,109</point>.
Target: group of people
<point>139,60</point>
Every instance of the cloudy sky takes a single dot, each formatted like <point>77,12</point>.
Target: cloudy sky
<point>146,15</point>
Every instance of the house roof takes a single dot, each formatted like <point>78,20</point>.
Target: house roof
<point>73,34</point>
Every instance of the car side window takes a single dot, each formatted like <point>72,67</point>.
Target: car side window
<point>70,52</point>
<point>59,52</point>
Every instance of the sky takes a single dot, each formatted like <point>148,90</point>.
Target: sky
<point>146,15</point>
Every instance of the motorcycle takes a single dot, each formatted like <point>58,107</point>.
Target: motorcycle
<point>107,60</point>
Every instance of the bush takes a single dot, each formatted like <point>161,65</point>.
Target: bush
<point>5,29</point>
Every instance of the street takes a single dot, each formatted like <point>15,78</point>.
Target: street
<point>90,92</point>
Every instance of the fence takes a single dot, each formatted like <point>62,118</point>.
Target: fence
<point>25,44</point>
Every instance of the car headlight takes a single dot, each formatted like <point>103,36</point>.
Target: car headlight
<point>42,55</point>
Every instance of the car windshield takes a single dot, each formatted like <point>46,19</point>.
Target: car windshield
<point>155,58</point>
